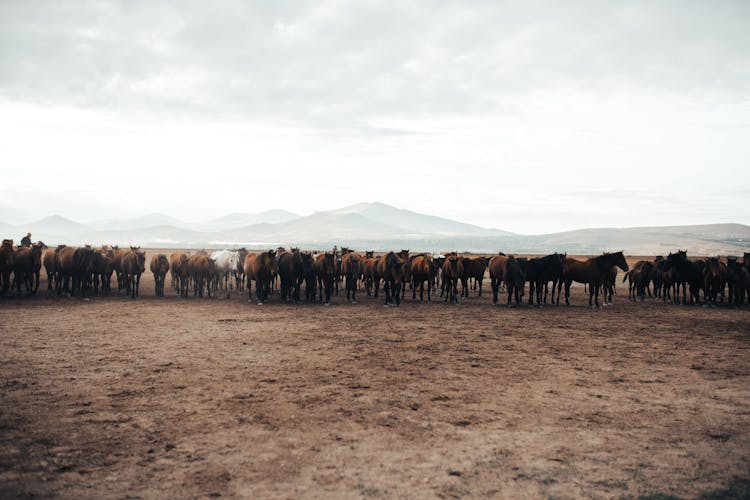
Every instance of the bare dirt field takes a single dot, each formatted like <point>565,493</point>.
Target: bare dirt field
<point>154,398</point>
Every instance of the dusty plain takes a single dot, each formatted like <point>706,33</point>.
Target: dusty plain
<point>169,397</point>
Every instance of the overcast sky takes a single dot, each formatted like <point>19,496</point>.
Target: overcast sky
<point>526,116</point>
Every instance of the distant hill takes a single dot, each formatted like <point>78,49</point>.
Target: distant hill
<point>238,220</point>
<point>413,222</point>
<point>378,226</point>
<point>154,219</point>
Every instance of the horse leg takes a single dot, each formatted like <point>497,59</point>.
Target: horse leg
<point>493,285</point>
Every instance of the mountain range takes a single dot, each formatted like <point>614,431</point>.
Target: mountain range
<point>375,226</point>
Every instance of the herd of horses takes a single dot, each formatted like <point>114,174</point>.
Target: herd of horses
<point>84,271</point>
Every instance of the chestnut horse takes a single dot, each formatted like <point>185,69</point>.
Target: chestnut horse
<point>351,269</point>
<point>592,272</point>
<point>453,269</point>
<point>514,278</point>
<point>497,273</point>
<point>26,266</point>
<point>264,267</point>
<point>422,269</point>
<point>178,269</point>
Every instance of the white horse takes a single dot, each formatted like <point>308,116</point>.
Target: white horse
<point>225,262</point>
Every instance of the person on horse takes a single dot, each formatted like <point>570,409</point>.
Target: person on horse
<point>26,240</point>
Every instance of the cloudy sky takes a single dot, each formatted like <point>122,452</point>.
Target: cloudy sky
<point>527,116</point>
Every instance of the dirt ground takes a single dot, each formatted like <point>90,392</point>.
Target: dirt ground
<point>154,398</point>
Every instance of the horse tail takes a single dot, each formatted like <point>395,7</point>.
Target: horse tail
<point>625,276</point>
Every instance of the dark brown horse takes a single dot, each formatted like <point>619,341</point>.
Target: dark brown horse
<point>351,268</point>
<point>391,270</point>
<point>7,256</point>
<point>452,272</point>
<point>514,278</point>
<point>264,268</point>
<point>325,272</point>
<point>308,276</point>
<point>473,268</point>
<point>592,272</point>
<point>290,274</point>
<point>133,266</point>
<point>688,273</point>
<point>159,266</point>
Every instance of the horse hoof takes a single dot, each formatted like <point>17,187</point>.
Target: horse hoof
<point>354,301</point>
<point>326,304</point>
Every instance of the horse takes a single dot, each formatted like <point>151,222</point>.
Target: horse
<point>133,266</point>
<point>264,267</point>
<point>290,274</point>
<point>180,272</point>
<point>27,263</point>
<point>452,271</point>
<point>308,276</point>
<point>95,268</point>
<point>552,269</point>
<point>351,269</point>
<point>7,256</point>
<point>497,272</point>
<point>225,263</point>
<point>325,271</point>
<point>391,270</point>
<point>51,264</point>
<point>714,280</point>
<point>201,270</point>
<point>472,268</point>
<point>159,266</point>
<point>239,273</point>
<point>514,278</point>
<point>73,264</point>
<point>738,277</point>
<point>593,272</point>
<point>117,266</point>
<point>638,277</point>
<point>372,278</point>
<point>688,274</point>
<point>422,269</point>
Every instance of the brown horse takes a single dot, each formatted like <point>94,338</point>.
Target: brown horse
<point>159,266</point>
<point>593,272</point>
<point>133,266</point>
<point>51,265</point>
<point>452,272</point>
<point>73,264</point>
<point>351,269</point>
<point>264,267</point>
<point>422,269</point>
<point>201,272</point>
<point>391,270</point>
<point>180,272</point>
<point>7,255</point>
<point>371,276</point>
<point>497,273</point>
<point>27,264</point>
<point>325,272</point>
<point>117,266</point>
